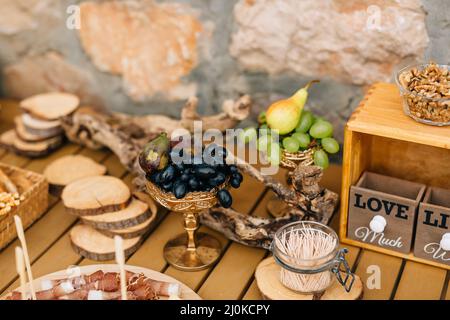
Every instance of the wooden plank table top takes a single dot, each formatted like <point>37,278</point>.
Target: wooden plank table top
<point>385,277</point>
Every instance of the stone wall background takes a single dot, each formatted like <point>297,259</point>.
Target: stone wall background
<point>145,56</point>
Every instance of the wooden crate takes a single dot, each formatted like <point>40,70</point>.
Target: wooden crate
<point>34,188</point>
<point>380,138</point>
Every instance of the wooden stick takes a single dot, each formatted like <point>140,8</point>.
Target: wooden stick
<point>20,267</point>
<point>6,181</point>
<point>21,235</point>
<point>120,259</point>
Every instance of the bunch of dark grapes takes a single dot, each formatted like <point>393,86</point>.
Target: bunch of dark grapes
<point>198,173</point>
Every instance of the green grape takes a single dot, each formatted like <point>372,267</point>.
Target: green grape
<point>305,122</point>
<point>321,129</point>
<point>330,145</point>
<point>318,119</point>
<point>291,144</point>
<point>274,154</point>
<point>262,117</point>
<point>263,143</point>
<point>321,159</point>
<point>303,139</point>
<point>249,134</point>
<point>264,126</point>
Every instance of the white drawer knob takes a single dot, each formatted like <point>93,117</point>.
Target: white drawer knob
<point>445,242</point>
<point>377,224</point>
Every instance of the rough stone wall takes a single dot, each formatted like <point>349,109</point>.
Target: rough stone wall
<point>148,56</point>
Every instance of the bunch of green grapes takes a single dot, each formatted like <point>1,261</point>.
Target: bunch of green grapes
<point>310,132</point>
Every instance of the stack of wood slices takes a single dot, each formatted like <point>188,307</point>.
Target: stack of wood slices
<point>38,130</point>
<point>106,208</point>
<point>68,169</point>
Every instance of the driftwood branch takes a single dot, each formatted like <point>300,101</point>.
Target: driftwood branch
<point>125,135</point>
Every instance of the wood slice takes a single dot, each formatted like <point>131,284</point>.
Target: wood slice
<point>138,230</point>
<point>50,106</point>
<point>95,195</point>
<point>68,169</point>
<point>134,214</point>
<point>91,244</point>
<point>267,277</point>
<point>10,140</point>
<point>26,135</point>
<point>34,124</point>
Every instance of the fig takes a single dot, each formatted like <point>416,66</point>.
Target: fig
<point>155,154</point>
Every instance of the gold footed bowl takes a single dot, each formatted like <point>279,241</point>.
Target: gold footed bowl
<point>190,251</point>
<point>289,160</point>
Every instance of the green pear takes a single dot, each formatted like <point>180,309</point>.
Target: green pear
<point>284,115</point>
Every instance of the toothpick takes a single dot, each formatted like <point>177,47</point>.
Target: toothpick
<point>20,267</point>
<point>21,235</point>
<point>120,259</point>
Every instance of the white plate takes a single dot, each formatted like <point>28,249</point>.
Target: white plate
<point>186,292</point>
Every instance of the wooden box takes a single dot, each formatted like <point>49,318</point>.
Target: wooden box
<point>395,200</point>
<point>380,138</point>
<point>432,223</point>
<point>34,188</point>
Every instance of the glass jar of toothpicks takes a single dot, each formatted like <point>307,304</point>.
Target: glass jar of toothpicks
<point>310,259</point>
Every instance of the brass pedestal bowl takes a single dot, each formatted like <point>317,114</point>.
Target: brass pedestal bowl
<point>190,251</point>
<point>289,160</point>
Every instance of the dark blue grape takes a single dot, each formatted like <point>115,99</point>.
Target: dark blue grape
<point>167,186</point>
<point>235,183</point>
<point>204,171</point>
<point>201,186</point>
<point>233,168</point>
<point>179,166</point>
<point>193,184</point>
<point>179,189</point>
<point>184,177</point>
<point>156,177</point>
<point>168,174</point>
<point>217,180</point>
<point>224,198</point>
<point>238,176</point>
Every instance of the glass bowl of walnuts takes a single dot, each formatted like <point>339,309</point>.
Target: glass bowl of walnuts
<point>425,89</point>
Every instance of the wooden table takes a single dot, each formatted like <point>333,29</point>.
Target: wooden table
<point>233,276</point>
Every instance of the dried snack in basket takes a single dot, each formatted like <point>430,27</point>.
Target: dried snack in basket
<point>8,201</point>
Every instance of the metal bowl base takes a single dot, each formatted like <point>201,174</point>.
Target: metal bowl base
<point>206,252</point>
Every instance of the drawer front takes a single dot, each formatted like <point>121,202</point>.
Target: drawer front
<point>399,214</point>
<point>432,223</point>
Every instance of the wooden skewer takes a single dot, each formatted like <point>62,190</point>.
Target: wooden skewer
<point>120,259</point>
<point>21,235</point>
<point>6,181</point>
<point>20,267</point>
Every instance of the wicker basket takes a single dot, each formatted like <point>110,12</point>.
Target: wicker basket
<point>34,188</point>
